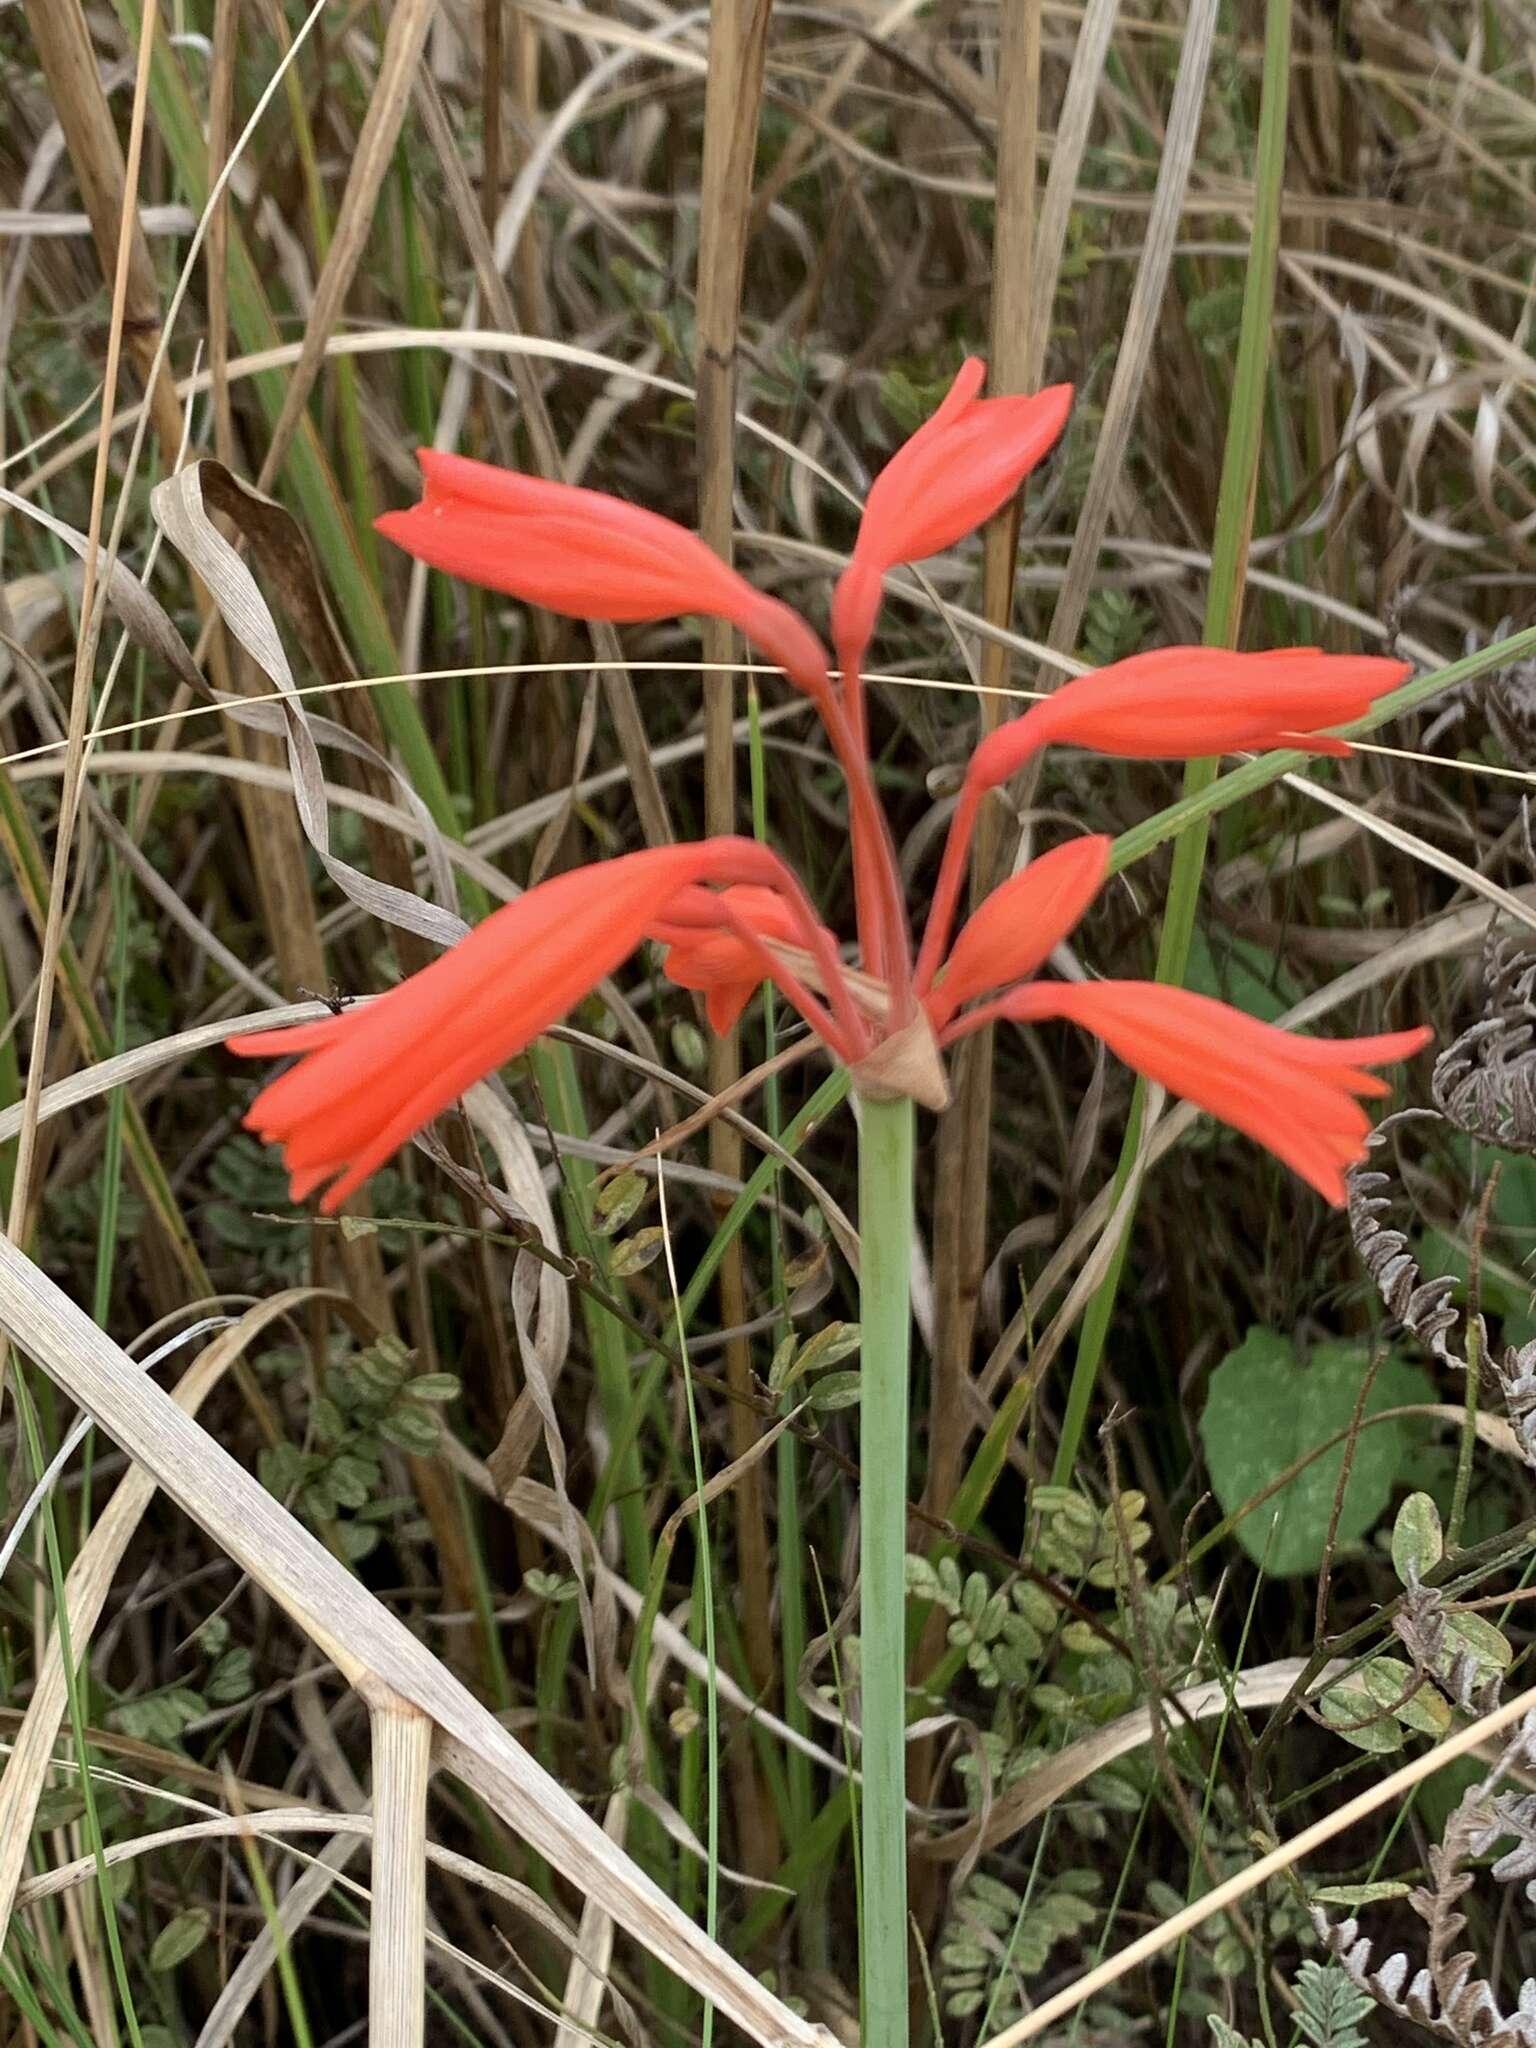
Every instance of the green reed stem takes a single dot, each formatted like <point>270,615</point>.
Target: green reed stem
<point>1229,558</point>
<point>885,1314</point>
<point>791,1550</point>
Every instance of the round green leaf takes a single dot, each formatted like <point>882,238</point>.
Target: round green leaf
<point>1265,1410</point>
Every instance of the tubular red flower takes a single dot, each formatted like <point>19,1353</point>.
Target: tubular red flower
<point>590,556</point>
<point>962,465</point>
<point>1179,703</point>
<point>1020,924</point>
<point>375,1074</point>
<point>1174,703</point>
<point>1293,1095</point>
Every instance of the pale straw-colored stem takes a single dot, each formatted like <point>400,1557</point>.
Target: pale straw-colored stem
<point>397,1946</point>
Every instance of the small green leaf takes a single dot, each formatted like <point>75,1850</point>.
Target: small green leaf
<point>1360,1720</point>
<point>1351,1896</point>
<point>434,1386</point>
<point>618,1199</point>
<point>1035,1604</point>
<point>179,1939</point>
<point>213,1636</point>
<point>412,1429</point>
<point>1389,1681</point>
<point>1478,1639</point>
<point>633,1254</point>
<point>837,1390</point>
<point>689,1047</point>
<point>783,1354</point>
<point>232,1678</point>
<point>828,1346</point>
<point>1417,1541</point>
<point>59,1805</point>
<point>280,1467</point>
<point>350,1480</point>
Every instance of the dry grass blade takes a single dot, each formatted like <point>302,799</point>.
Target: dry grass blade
<point>1136,349</point>
<point>90,1580</point>
<point>1388,1791</point>
<point>377,1653</point>
<point>402,1765</point>
<point>586,1981</point>
<point>738,42</point>
<point>1078,107</point>
<point>181,508</point>
<point>409,22</point>
<point>62,37</point>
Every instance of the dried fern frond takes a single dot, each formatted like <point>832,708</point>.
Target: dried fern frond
<point>1422,1306</point>
<point>1485,1081</point>
<point>1446,1996</point>
<point>1516,1375</point>
<point>1420,1623</point>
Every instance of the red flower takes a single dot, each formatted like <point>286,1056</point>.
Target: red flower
<point>732,915</point>
<point>1178,703</point>
<point>375,1073</point>
<point>1174,703</point>
<point>713,958</point>
<point>1294,1095</point>
<point>588,555</point>
<point>960,467</point>
<point>1020,925</point>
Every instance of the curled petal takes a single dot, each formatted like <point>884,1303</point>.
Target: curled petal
<point>1181,703</point>
<point>1296,1096</point>
<point>726,945</point>
<point>948,478</point>
<point>713,958</point>
<point>589,556</point>
<point>372,1076</point>
<point>1020,924</point>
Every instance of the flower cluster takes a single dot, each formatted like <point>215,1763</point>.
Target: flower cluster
<point>731,914</point>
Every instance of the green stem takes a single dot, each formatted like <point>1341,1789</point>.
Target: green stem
<point>791,1549</point>
<point>1229,558</point>
<point>885,1237</point>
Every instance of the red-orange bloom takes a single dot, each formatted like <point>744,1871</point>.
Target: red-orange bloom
<point>1294,1095</point>
<point>588,555</point>
<point>732,915</point>
<point>1172,704</point>
<point>1020,925</point>
<point>375,1073</point>
<point>1179,703</point>
<point>962,465</point>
